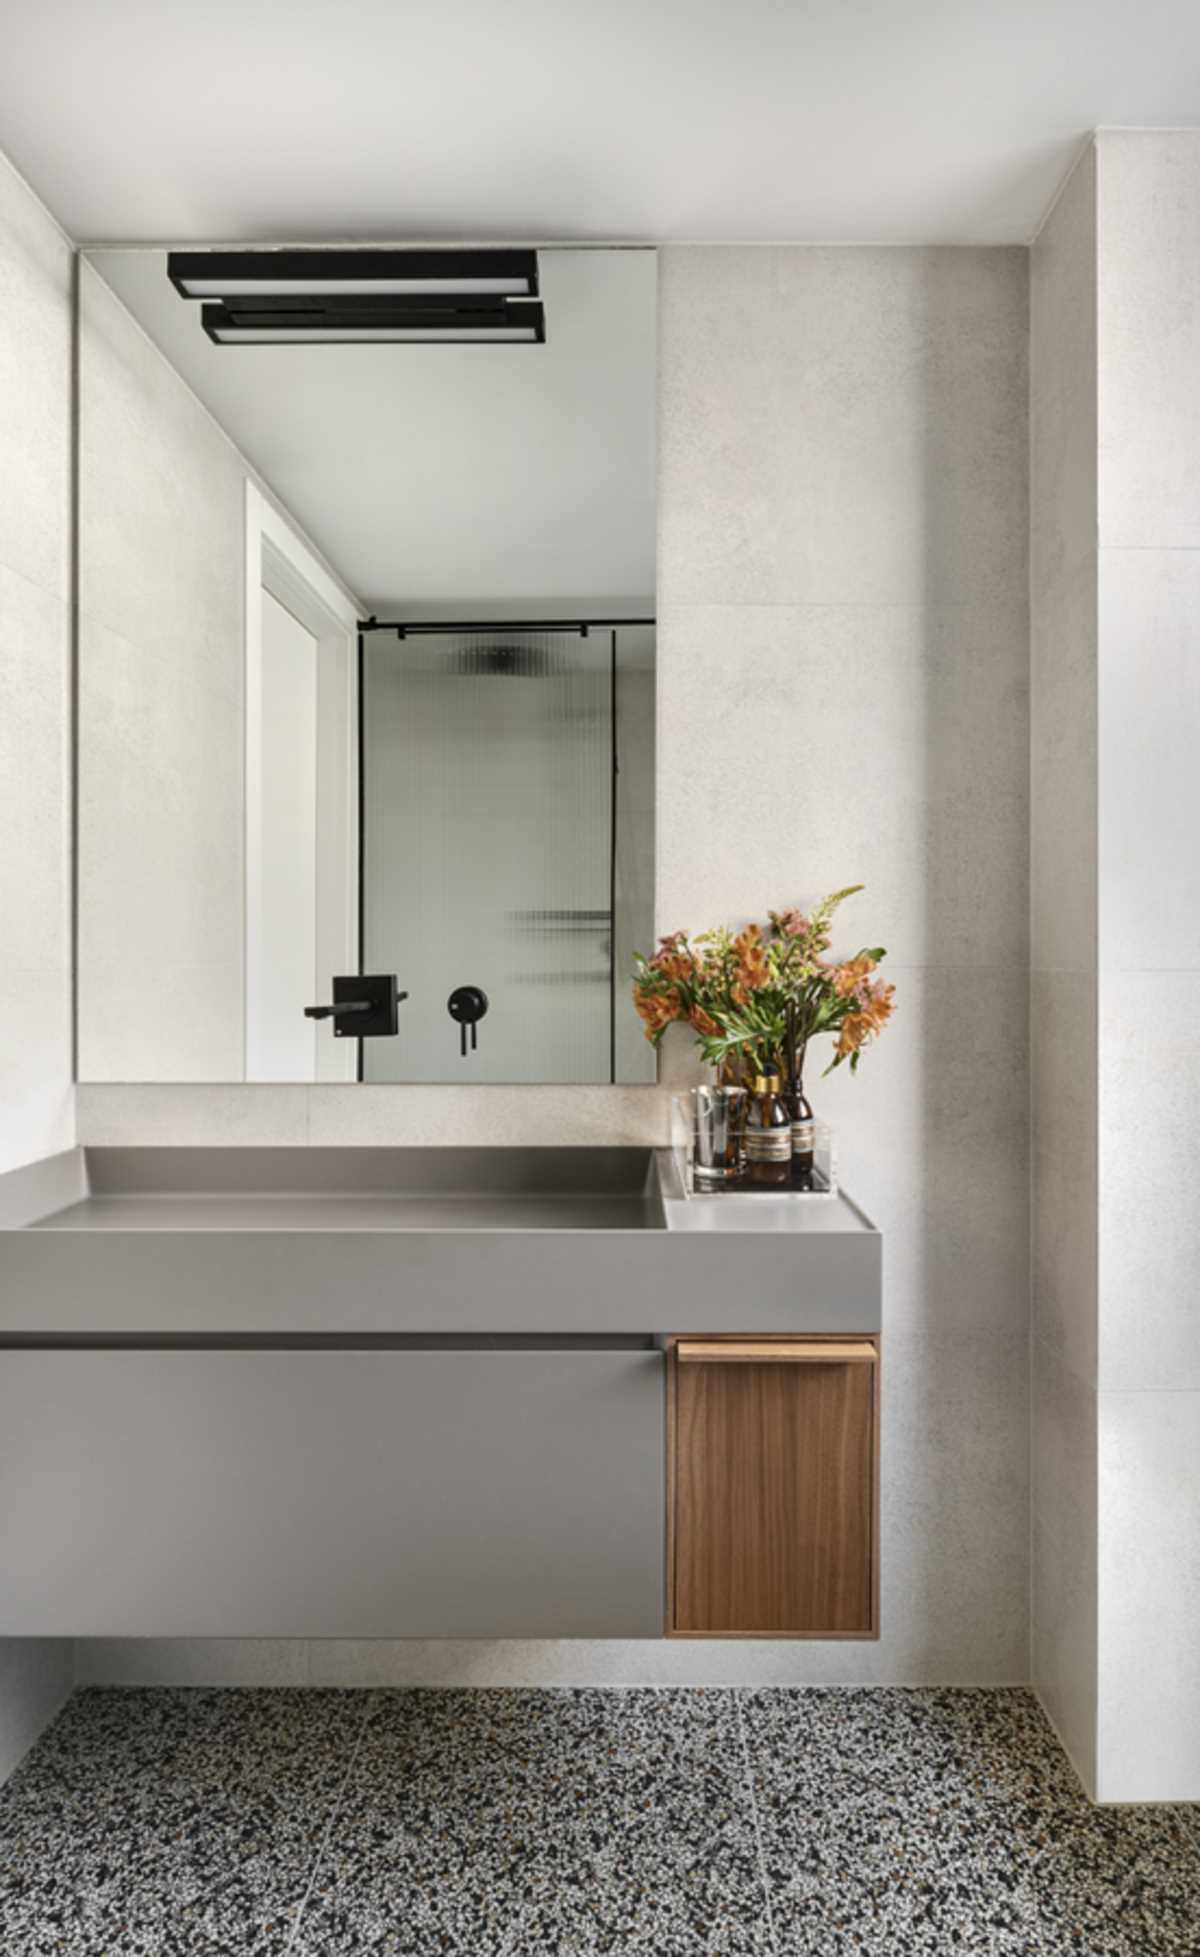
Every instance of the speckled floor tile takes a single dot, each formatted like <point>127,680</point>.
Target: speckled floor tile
<point>949,1821</point>
<point>579,1824</point>
<point>1117,1882</point>
<point>572,1822</point>
<point>990,1743</point>
<point>873,1875</point>
<point>171,1822</point>
<point>869,1874</point>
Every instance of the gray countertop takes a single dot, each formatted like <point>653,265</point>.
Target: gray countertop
<point>183,1244</point>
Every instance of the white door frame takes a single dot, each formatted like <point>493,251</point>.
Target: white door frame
<point>280,562</point>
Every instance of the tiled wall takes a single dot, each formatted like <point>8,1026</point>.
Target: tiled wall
<point>1149,964</point>
<point>35,678</point>
<point>1116,958</point>
<point>1063,390</point>
<point>843,667</point>
<point>36,1113</point>
<point>161,733</point>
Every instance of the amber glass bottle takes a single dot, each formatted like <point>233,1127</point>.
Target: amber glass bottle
<point>802,1135</point>
<point>768,1134</point>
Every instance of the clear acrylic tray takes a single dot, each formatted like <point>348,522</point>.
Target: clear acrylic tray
<point>823,1186</point>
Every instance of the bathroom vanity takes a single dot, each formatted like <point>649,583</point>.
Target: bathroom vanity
<point>382,1393</point>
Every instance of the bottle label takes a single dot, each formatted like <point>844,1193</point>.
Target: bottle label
<point>768,1144</point>
<point>802,1138</point>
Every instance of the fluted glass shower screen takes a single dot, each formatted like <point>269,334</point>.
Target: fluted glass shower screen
<point>491,818</point>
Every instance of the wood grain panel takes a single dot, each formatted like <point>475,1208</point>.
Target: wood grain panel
<point>788,1352</point>
<point>773,1491</point>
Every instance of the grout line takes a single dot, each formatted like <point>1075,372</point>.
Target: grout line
<point>758,1841</point>
<point>292,1944</point>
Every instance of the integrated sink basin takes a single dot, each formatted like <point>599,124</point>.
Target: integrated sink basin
<point>178,1243</point>
<point>364,1189</point>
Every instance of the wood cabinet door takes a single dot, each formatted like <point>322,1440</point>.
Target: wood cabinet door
<point>773,1521</point>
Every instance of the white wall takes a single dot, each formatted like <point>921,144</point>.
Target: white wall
<point>161,853</point>
<point>1116,983</point>
<point>843,617</point>
<point>161,714</point>
<point>1063,397</point>
<point>35,678</point>
<point>36,1112</point>
<point>1149,964</point>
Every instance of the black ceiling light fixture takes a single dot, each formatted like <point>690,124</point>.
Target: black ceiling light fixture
<point>290,298</point>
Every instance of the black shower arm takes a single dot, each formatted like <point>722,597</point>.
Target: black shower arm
<point>351,1005</point>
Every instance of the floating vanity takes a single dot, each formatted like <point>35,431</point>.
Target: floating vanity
<point>382,1393</point>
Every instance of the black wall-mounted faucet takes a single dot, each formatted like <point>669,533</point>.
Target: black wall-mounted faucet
<point>466,1006</point>
<point>364,1006</point>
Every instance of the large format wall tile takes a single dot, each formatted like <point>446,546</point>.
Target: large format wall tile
<point>879,744</point>
<point>1063,1010</point>
<point>360,1116</point>
<point>36,1677</point>
<point>1149,1223</point>
<point>1063,575</point>
<point>161,714</point>
<point>1149,813</point>
<point>160,787</point>
<point>1149,311</point>
<point>191,1661</point>
<point>850,426</point>
<point>36,1095</point>
<point>932,1136</point>
<point>1064,1147</point>
<point>163,492</point>
<point>1062,483</point>
<point>1065,1520</point>
<point>36,1113</point>
<point>1149,1726</point>
<point>154,1114</point>
<point>1062,292</point>
<point>1063,788</point>
<point>35,770</point>
<point>35,390</point>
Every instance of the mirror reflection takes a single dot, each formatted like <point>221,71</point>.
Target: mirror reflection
<point>366,664</point>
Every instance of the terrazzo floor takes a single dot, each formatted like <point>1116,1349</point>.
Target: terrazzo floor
<point>517,1823</point>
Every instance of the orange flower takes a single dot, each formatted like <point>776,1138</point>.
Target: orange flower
<point>751,955</point>
<point>877,1008</point>
<point>854,1030</point>
<point>703,1022</point>
<point>657,1009</point>
<point>871,1017</point>
<point>678,965</point>
<point>852,976</point>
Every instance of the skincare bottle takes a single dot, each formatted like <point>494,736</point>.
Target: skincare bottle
<point>768,1135</point>
<point>802,1135</point>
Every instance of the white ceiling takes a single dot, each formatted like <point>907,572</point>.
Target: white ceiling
<point>461,481</point>
<point>814,120</point>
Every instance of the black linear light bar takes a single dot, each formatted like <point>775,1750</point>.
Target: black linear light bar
<point>365,274</point>
<point>371,322</point>
<point>293,298</point>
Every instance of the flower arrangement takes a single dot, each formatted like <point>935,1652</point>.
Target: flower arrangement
<point>756,999</point>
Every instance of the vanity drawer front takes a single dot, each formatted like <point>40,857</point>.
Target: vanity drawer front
<point>774,1485</point>
<point>359,1494</point>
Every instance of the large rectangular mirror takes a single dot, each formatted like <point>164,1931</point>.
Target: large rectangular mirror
<point>366,664</point>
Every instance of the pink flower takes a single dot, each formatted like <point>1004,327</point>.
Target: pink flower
<point>791,923</point>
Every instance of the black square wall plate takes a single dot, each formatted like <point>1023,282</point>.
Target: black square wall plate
<point>380,993</point>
